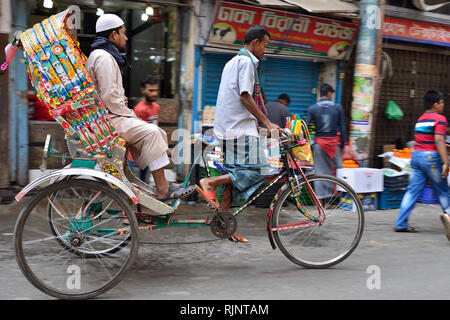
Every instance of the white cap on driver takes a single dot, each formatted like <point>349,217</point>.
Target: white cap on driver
<point>108,21</point>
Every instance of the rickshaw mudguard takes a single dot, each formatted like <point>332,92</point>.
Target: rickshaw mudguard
<point>54,175</point>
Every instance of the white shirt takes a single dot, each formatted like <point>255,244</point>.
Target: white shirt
<point>105,72</point>
<point>232,119</point>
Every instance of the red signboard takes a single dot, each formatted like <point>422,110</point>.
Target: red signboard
<point>416,31</point>
<point>289,31</point>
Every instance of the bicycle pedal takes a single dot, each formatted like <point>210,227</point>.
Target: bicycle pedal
<point>212,208</point>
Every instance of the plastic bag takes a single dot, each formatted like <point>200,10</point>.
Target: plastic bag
<point>393,111</point>
<point>303,153</point>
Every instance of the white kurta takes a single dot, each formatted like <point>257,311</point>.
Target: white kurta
<point>147,142</point>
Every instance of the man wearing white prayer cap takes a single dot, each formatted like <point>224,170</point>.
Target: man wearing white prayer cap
<point>108,21</point>
<point>147,142</point>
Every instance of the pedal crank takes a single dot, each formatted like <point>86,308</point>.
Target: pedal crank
<point>223,225</point>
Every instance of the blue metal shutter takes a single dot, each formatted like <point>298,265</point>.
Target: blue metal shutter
<point>295,78</point>
<point>213,65</point>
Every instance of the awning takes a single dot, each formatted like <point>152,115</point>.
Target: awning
<point>271,3</point>
<point>316,6</point>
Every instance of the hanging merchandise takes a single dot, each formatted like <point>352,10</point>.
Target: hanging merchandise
<point>300,130</point>
<point>393,111</point>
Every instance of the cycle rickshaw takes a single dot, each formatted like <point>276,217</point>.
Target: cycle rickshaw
<point>77,237</point>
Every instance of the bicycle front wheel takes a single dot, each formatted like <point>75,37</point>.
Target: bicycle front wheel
<point>318,236</point>
<point>71,241</point>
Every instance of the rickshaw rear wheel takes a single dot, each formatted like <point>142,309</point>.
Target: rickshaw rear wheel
<point>90,216</point>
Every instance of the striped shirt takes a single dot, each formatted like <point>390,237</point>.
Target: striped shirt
<point>428,125</point>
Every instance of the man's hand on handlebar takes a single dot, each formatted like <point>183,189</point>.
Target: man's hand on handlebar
<point>274,130</point>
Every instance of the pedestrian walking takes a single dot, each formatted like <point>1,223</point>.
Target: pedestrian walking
<point>429,161</point>
<point>329,139</point>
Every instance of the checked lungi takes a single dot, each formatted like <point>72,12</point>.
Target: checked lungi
<point>244,161</point>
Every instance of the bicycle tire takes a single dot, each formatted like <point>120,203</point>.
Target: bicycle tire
<point>345,227</point>
<point>30,268</point>
<point>67,246</point>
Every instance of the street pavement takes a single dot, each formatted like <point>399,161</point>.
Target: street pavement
<point>191,264</point>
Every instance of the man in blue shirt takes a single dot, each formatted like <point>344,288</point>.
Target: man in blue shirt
<point>330,135</point>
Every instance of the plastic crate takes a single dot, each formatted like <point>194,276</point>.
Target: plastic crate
<point>397,182</point>
<point>368,200</point>
<point>428,196</point>
<point>390,198</point>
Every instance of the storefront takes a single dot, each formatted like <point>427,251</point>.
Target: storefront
<point>416,59</point>
<point>151,49</point>
<point>5,30</point>
<point>304,52</point>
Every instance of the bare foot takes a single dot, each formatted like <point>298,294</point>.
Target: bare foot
<point>206,186</point>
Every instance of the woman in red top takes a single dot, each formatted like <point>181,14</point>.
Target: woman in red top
<point>429,161</point>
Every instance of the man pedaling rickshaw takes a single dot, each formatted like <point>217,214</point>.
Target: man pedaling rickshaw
<point>239,108</point>
<point>146,141</point>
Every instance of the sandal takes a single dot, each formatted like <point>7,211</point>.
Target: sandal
<point>236,237</point>
<point>407,229</point>
<point>210,197</point>
<point>175,193</point>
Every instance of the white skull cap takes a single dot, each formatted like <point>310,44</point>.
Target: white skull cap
<point>108,21</point>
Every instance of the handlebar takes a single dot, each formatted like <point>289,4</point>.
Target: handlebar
<point>287,138</point>
<point>287,133</point>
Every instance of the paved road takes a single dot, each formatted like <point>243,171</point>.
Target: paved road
<point>411,266</point>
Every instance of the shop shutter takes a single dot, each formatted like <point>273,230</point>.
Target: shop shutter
<point>213,65</point>
<point>415,73</point>
<point>295,78</point>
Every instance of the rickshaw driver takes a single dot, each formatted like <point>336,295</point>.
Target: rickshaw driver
<point>147,142</point>
<point>238,111</point>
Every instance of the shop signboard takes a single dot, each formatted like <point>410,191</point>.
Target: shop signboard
<point>290,32</point>
<point>415,31</point>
